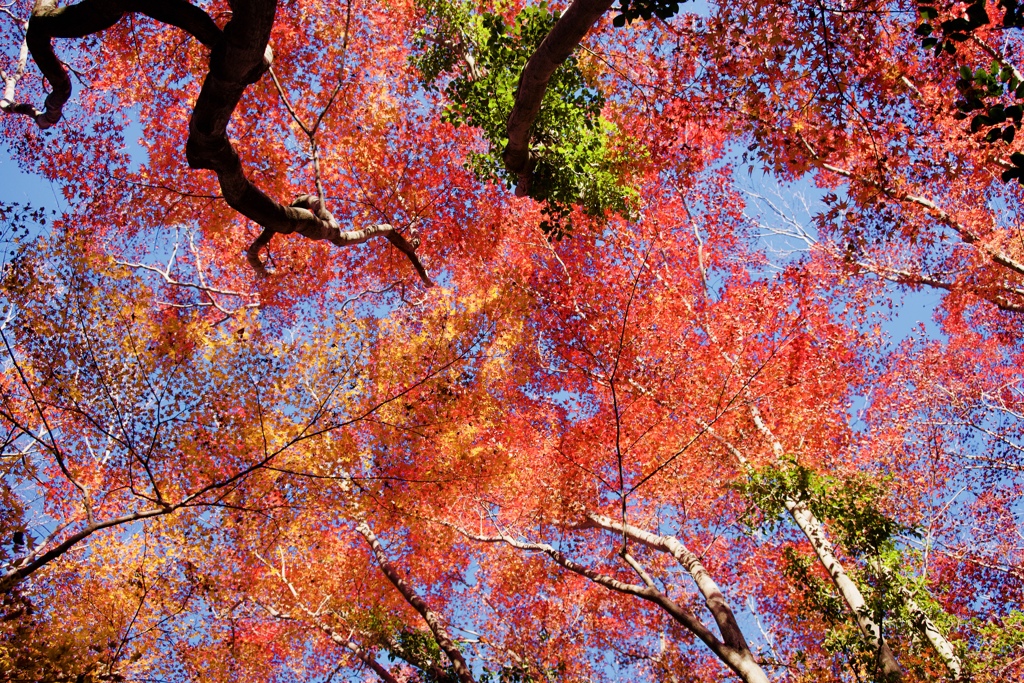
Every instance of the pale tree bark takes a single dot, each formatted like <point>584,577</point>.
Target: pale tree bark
<point>940,644</point>
<point>361,653</point>
<point>434,622</point>
<point>716,603</point>
<point>741,661</point>
<point>814,530</point>
<point>563,38</point>
<point>928,629</point>
<point>815,533</point>
<point>239,57</point>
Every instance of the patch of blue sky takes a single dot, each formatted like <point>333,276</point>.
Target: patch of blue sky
<point>783,216</point>
<point>27,189</point>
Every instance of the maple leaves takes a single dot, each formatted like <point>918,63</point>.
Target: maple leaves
<point>650,450</point>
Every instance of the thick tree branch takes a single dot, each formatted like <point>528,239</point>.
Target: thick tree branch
<point>814,530</point>
<point>566,34</point>
<point>740,662</point>
<point>363,655</point>
<point>27,566</point>
<point>713,598</point>
<point>239,56</point>
<point>940,644</point>
<point>92,16</point>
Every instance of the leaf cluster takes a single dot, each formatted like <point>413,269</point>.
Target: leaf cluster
<point>818,597</point>
<point>852,505</point>
<point>885,588</point>
<point>573,163</point>
<point>943,35</point>
<point>1002,640</point>
<point>983,92</point>
<point>817,593</point>
<point>439,48</point>
<point>31,649</point>
<point>980,85</point>
<point>518,674</point>
<point>420,649</point>
<point>417,648</point>
<point>631,10</point>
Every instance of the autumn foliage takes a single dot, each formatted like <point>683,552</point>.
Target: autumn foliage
<point>626,392</point>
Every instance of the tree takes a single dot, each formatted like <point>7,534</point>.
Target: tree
<point>611,435</point>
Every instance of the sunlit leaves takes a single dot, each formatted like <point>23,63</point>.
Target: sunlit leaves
<point>574,163</point>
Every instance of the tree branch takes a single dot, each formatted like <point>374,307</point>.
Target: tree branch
<point>444,640</point>
<point>563,38</point>
<point>740,662</point>
<point>713,598</point>
<point>239,57</point>
<point>361,653</point>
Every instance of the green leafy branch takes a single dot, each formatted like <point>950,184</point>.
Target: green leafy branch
<point>574,162</point>
<point>850,505</point>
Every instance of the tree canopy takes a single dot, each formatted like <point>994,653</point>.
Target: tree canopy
<point>623,393</point>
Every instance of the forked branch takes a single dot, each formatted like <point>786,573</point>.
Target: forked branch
<point>239,57</point>
<point>740,661</point>
<point>713,597</point>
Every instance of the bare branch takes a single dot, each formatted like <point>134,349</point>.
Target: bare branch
<point>444,640</point>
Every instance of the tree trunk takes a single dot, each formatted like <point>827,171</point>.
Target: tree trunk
<point>444,640</point>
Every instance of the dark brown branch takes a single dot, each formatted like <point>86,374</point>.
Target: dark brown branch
<point>239,57</point>
<point>92,16</point>
<point>238,60</point>
<point>28,566</point>
<point>566,34</point>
